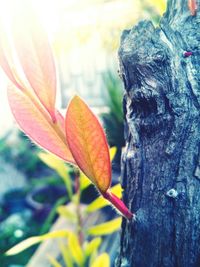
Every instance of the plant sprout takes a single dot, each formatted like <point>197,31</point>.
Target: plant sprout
<point>27,59</point>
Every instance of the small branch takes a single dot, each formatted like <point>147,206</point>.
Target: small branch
<point>118,204</point>
<point>79,217</point>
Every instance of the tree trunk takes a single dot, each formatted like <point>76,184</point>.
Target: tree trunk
<point>161,161</point>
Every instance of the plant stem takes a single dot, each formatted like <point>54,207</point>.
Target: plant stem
<point>78,212</point>
<point>118,204</point>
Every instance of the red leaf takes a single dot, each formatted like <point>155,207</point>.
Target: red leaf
<point>88,144</point>
<point>37,124</point>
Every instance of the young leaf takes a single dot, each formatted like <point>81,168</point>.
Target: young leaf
<point>101,202</point>
<point>35,55</point>
<point>102,260</point>
<point>87,142</point>
<point>37,124</point>
<point>105,228</point>
<point>35,240</point>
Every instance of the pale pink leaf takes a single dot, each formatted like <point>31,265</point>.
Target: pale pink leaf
<point>36,57</point>
<point>37,124</point>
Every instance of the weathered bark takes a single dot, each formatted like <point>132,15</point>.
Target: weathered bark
<point>161,106</point>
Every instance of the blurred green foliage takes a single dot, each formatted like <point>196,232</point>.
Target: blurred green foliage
<point>15,147</point>
<point>113,120</point>
<point>81,249</point>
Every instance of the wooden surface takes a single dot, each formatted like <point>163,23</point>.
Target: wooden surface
<point>161,173</point>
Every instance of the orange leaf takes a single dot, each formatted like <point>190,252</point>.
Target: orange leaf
<point>88,144</point>
<point>37,124</point>
<point>35,55</point>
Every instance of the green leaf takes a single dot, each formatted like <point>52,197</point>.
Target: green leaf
<point>112,151</point>
<point>92,246</point>
<point>105,228</point>
<point>102,260</point>
<point>66,255</point>
<point>114,94</point>
<point>23,245</point>
<point>54,262</point>
<point>98,203</point>
<point>101,202</point>
<point>75,249</point>
<point>35,240</point>
<point>117,190</point>
<point>59,166</point>
<point>65,212</point>
<point>84,181</point>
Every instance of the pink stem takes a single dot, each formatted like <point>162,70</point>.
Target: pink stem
<point>118,204</point>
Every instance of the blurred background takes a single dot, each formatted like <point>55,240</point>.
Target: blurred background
<point>85,36</point>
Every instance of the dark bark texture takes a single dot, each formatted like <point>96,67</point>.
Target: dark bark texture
<point>161,161</point>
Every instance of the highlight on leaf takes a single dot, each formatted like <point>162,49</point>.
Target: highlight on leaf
<point>88,144</point>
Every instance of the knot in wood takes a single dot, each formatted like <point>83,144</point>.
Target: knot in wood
<point>172,193</point>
